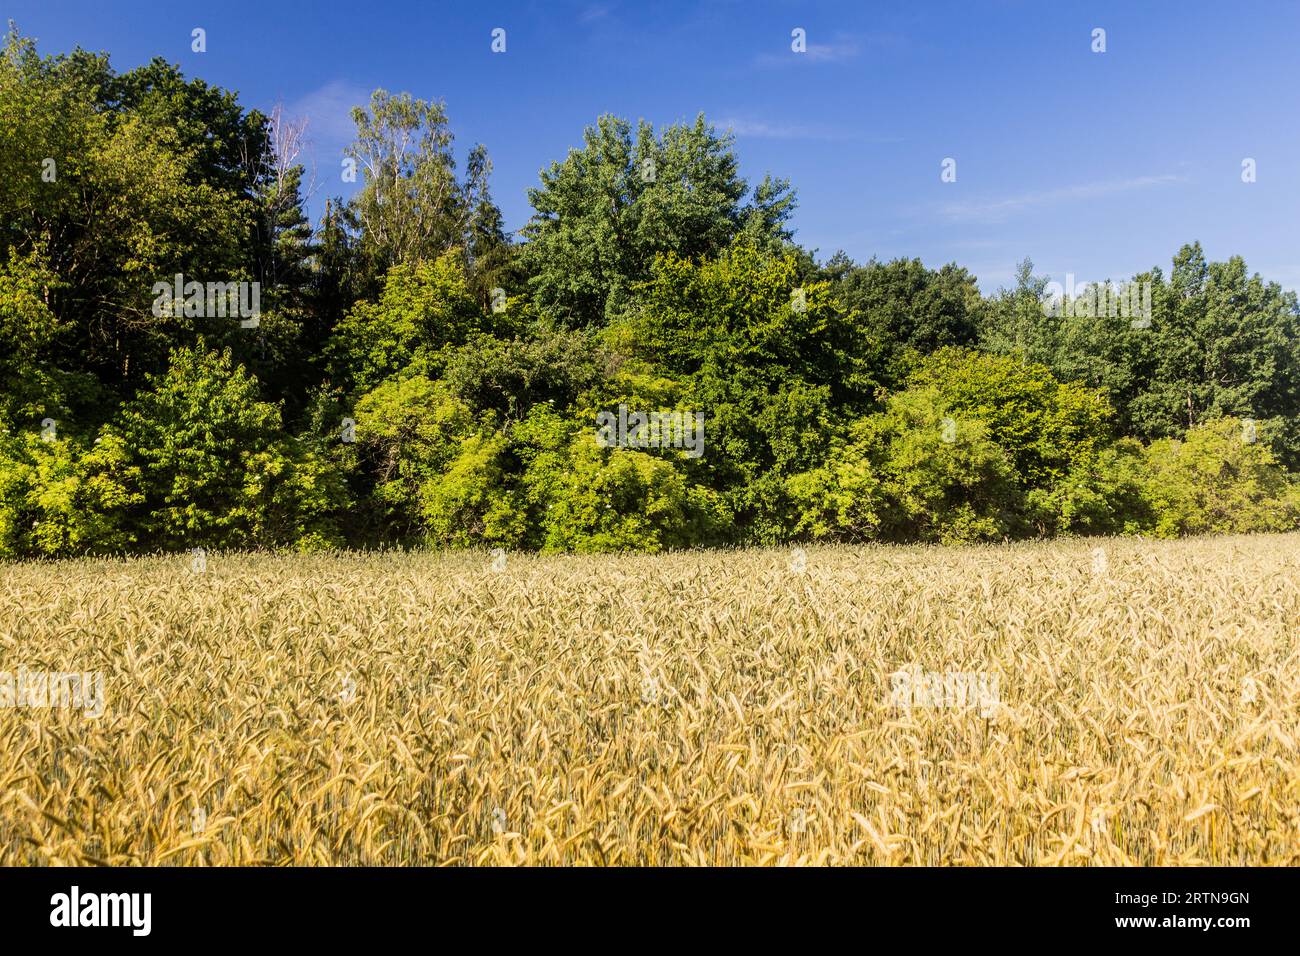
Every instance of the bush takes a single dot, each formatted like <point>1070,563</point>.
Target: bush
<point>470,503</point>
<point>911,473</point>
<point>1047,427</point>
<point>408,430</point>
<point>422,309</point>
<point>61,498</point>
<point>1104,494</point>
<point>624,500</point>
<point>1214,481</point>
<point>212,465</point>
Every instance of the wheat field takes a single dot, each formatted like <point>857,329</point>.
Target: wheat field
<point>694,708</point>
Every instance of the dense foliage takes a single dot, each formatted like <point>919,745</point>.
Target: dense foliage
<point>416,375</point>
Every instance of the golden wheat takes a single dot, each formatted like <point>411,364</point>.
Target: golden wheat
<point>695,708</point>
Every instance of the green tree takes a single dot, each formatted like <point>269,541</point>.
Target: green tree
<point>29,384</point>
<point>509,376</point>
<point>1215,481</point>
<point>1046,426</point>
<point>1216,341</point>
<point>1104,493</point>
<point>904,305</point>
<point>62,498</point>
<point>604,213</point>
<point>121,182</point>
<point>474,502</point>
<point>906,474</point>
<point>748,309</point>
<point>411,207</point>
<point>615,499</point>
<point>408,431</point>
<point>215,466</point>
<point>423,309</point>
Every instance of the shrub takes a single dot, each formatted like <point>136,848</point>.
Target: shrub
<point>213,465</point>
<point>1214,481</point>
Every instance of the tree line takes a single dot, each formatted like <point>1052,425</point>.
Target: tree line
<point>418,376</point>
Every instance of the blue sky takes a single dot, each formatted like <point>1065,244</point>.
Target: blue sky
<point>1097,164</point>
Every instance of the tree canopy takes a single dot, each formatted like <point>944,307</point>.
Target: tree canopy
<point>415,374</point>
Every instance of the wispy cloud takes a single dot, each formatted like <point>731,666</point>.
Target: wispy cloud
<point>1000,209</point>
<point>841,48</point>
<point>594,12</point>
<point>764,129</point>
<point>328,111</point>
<point>833,52</point>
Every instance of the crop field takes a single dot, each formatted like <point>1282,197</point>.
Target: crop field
<point>1109,701</point>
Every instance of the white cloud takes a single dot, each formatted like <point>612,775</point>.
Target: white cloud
<point>328,111</point>
<point>764,129</point>
<point>832,52</point>
<point>594,12</point>
<point>998,210</point>
<point>840,49</point>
